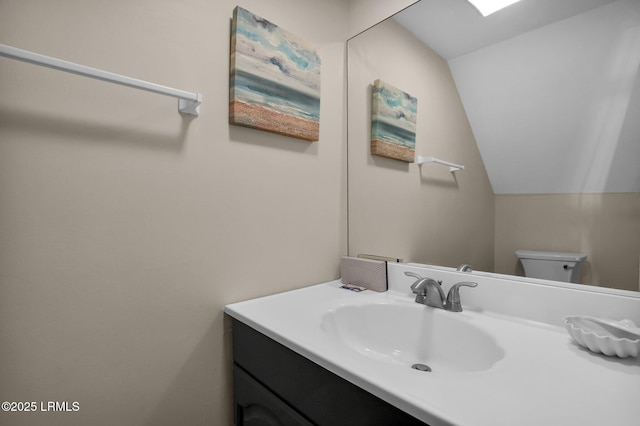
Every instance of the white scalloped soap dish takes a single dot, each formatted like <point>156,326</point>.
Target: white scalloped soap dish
<point>609,337</point>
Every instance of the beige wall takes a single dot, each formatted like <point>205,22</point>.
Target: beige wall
<point>125,227</point>
<point>604,226</point>
<point>421,214</point>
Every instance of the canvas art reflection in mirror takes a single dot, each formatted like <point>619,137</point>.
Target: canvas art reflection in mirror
<point>393,122</point>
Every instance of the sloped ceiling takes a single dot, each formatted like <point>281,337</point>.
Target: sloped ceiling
<point>551,89</point>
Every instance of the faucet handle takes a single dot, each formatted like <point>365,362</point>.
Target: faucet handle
<point>412,274</point>
<point>453,298</point>
<point>464,268</point>
<point>417,277</point>
<point>419,286</point>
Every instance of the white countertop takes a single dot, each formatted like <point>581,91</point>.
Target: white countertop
<point>543,379</point>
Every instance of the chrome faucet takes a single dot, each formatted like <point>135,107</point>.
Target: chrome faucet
<point>464,268</point>
<point>429,292</point>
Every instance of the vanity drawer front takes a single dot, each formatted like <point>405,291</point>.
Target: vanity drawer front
<point>322,397</point>
<point>256,405</point>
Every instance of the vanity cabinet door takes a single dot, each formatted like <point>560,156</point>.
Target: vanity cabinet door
<point>317,395</point>
<point>255,405</point>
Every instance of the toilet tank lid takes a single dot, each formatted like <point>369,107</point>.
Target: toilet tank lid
<point>550,255</point>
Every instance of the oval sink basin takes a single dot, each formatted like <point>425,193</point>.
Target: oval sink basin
<point>408,334</point>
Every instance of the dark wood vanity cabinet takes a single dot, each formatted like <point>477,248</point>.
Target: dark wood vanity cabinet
<point>274,385</point>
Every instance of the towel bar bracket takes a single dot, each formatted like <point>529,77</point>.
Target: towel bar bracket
<point>186,106</point>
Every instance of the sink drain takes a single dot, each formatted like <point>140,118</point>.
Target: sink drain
<point>421,367</point>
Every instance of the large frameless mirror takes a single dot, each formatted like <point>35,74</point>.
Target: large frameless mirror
<point>539,102</point>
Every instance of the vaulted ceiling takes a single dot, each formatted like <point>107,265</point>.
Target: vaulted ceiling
<point>551,89</point>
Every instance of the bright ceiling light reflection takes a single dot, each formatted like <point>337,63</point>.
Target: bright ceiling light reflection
<point>487,7</point>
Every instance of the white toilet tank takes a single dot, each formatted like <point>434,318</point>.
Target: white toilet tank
<point>551,265</point>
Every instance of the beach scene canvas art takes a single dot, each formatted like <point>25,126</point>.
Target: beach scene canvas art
<point>274,79</point>
<point>393,122</point>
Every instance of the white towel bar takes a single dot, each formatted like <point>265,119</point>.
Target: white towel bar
<point>188,103</point>
<point>452,166</point>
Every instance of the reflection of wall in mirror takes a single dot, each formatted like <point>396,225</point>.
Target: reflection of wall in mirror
<point>604,226</point>
<point>552,111</point>
<point>423,214</point>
